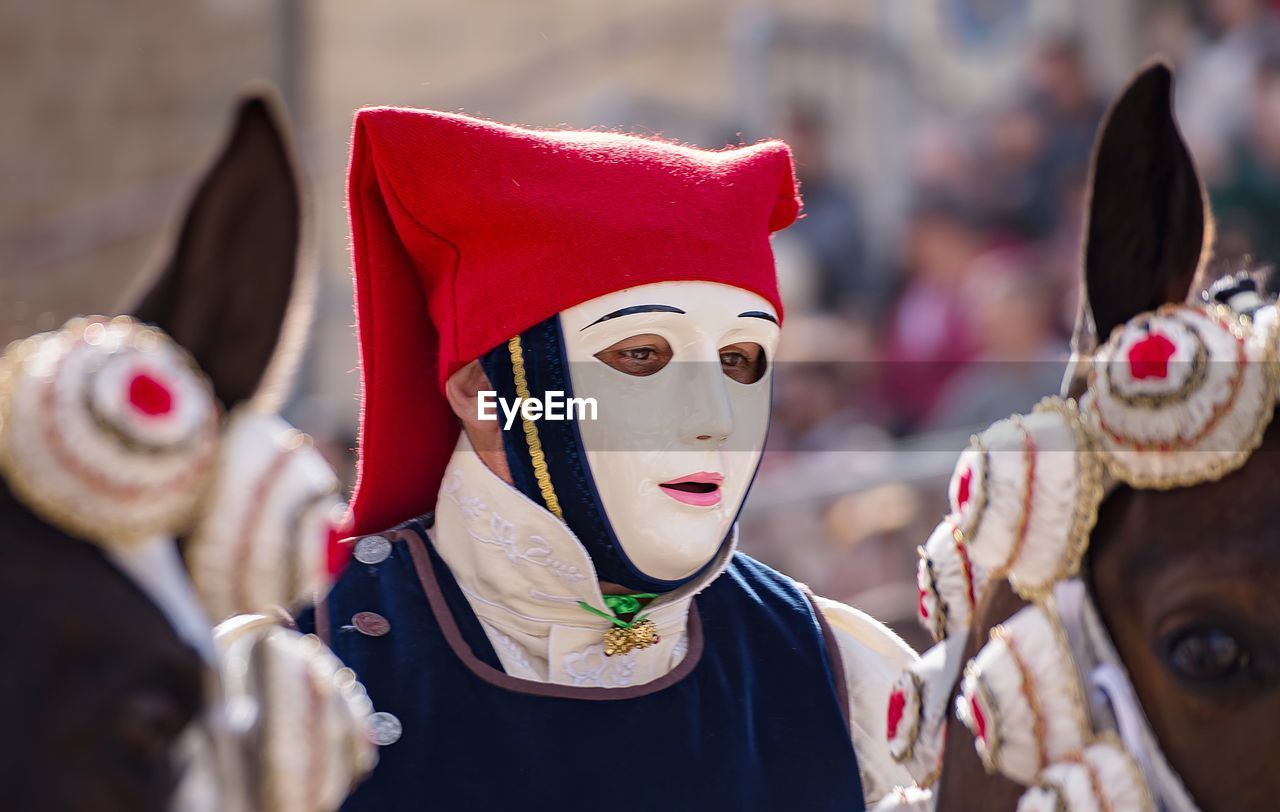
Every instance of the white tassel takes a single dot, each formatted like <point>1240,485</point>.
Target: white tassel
<point>1022,699</point>
<point>1102,778</point>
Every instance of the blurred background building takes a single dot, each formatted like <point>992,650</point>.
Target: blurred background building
<point>942,146</point>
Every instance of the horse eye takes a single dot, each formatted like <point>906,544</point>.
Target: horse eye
<point>149,724</point>
<point>1208,655</point>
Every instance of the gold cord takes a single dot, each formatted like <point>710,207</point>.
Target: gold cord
<point>531,431</point>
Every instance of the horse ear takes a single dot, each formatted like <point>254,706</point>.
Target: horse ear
<point>225,293</point>
<point>1146,213</point>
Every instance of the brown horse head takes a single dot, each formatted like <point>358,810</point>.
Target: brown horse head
<point>1186,580</point>
<point>96,686</point>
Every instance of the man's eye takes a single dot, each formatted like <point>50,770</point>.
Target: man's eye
<point>640,356</point>
<point>1207,655</point>
<point>744,363</point>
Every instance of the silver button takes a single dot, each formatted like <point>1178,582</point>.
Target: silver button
<point>371,624</point>
<point>372,550</point>
<point>384,728</point>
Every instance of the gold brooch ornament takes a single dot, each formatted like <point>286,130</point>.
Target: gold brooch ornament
<point>625,636</point>
<point>621,640</point>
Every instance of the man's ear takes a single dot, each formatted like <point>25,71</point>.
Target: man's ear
<point>463,391</point>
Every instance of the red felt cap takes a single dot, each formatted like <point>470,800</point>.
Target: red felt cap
<point>466,233</point>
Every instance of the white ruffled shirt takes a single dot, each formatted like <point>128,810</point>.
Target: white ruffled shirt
<point>523,572</point>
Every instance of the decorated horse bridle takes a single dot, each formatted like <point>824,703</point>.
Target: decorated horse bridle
<point>110,432</point>
<point>1112,700</point>
<point>1175,397</point>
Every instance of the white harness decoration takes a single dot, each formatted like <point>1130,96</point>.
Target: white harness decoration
<point>278,509</point>
<point>107,429</point>
<point>1111,696</point>
<point>1176,397</point>
<point>111,433</point>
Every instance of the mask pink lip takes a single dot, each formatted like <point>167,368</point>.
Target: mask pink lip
<point>700,476</point>
<point>708,498</point>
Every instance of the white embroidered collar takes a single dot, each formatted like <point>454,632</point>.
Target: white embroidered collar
<point>524,571</point>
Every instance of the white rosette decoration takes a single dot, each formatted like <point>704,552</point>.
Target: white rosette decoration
<point>915,722</point>
<point>967,490</point>
<point>273,508</point>
<point>904,718</point>
<point>906,799</point>
<point>302,717</point>
<point>1176,397</point>
<point>1103,778</point>
<point>107,430</point>
<point>1025,496</point>
<point>948,582</point>
<point>1021,697</point>
<point>1180,396</point>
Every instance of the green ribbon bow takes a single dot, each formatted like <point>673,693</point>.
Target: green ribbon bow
<point>620,605</point>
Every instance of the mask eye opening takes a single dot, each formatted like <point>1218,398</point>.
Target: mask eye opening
<point>745,362</point>
<point>638,356</point>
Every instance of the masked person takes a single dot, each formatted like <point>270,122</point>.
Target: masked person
<point>552,613</point>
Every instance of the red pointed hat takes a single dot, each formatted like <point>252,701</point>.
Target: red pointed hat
<point>466,233</point>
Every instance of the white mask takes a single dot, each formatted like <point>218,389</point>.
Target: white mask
<point>691,421</point>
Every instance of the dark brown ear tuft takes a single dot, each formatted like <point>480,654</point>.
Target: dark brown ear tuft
<point>225,292</point>
<point>1146,211</point>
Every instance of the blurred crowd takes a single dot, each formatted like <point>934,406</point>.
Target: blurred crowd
<point>899,345</point>
<point>965,315</point>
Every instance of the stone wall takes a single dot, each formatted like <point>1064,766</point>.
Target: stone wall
<point>113,107</point>
<point>110,109</point>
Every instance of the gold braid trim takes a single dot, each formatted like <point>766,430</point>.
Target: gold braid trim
<point>1028,689</point>
<point>1095,785</point>
<point>1146,804</point>
<point>531,431</point>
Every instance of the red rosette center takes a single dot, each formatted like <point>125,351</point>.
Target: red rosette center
<point>149,396</point>
<point>897,706</point>
<point>1149,358</point>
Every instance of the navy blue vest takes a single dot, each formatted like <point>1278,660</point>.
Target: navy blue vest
<point>754,718</point>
